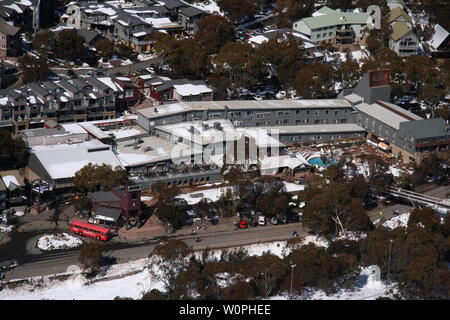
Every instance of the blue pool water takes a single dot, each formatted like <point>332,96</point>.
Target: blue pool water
<point>319,162</point>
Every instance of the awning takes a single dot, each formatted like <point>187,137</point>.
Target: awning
<point>107,214</point>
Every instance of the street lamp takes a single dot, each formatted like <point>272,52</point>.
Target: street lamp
<point>292,277</point>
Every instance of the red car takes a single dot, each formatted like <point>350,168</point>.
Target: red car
<point>243,224</point>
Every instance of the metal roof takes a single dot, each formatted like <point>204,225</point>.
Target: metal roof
<point>399,29</point>
<point>316,128</point>
<point>382,114</point>
<point>101,196</point>
<point>439,36</point>
<point>108,214</point>
<point>397,13</point>
<point>426,128</point>
<point>336,18</point>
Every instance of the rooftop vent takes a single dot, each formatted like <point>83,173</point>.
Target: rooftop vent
<point>156,110</point>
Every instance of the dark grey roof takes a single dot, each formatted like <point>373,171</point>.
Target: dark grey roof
<point>159,9</point>
<point>97,83</point>
<point>427,128</point>
<point>7,29</point>
<point>13,94</point>
<point>171,4</point>
<point>68,86</point>
<point>114,214</point>
<point>38,89</point>
<point>130,19</point>
<point>191,11</point>
<point>80,83</point>
<point>88,35</point>
<point>50,85</point>
<point>101,196</point>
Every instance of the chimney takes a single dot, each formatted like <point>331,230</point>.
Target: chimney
<point>217,126</point>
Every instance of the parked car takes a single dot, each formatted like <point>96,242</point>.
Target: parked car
<point>262,221</point>
<point>252,222</point>
<point>274,220</point>
<point>89,73</point>
<point>71,74</point>
<point>8,265</point>
<point>284,219</point>
<point>243,224</point>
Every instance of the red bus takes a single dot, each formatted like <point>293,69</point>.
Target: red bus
<point>90,230</point>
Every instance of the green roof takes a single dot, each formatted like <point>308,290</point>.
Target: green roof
<point>397,13</point>
<point>336,18</point>
<point>326,10</point>
<point>399,29</point>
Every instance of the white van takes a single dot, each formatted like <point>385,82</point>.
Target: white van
<point>262,221</point>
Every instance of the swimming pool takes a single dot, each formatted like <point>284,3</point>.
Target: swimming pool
<point>319,161</point>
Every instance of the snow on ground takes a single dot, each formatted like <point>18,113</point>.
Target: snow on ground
<point>134,278</point>
<point>398,221</point>
<point>358,55</point>
<point>58,241</point>
<point>211,194</point>
<point>290,187</point>
<point>208,6</point>
<point>368,287</point>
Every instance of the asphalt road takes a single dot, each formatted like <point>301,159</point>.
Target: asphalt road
<point>403,206</point>
<point>51,263</point>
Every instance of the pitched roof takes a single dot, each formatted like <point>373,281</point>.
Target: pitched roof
<point>191,11</point>
<point>399,29</point>
<point>102,196</point>
<point>7,29</point>
<point>88,35</point>
<point>439,36</point>
<point>108,214</point>
<point>426,128</point>
<point>336,18</point>
<point>397,13</point>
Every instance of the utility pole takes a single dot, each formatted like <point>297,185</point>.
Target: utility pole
<point>292,277</point>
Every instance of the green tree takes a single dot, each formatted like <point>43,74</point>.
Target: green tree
<point>170,209</point>
<point>283,54</point>
<point>236,63</point>
<point>33,69</point>
<point>314,80</point>
<point>90,257</point>
<point>431,96</point>
<point>94,177</point>
<point>44,42</point>
<point>288,11</point>
<point>236,9</point>
<point>171,258</point>
<point>105,48</point>
<point>213,32</point>
<point>69,45</point>
<point>13,151</point>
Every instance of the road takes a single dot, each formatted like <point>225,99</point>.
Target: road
<point>51,263</point>
<point>439,191</point>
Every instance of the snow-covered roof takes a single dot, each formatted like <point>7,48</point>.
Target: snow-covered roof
<point>439,36</point>
<point>189,89</point>
<point>64,160</point>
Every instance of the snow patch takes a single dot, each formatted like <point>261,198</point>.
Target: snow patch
<point>58,241</point>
